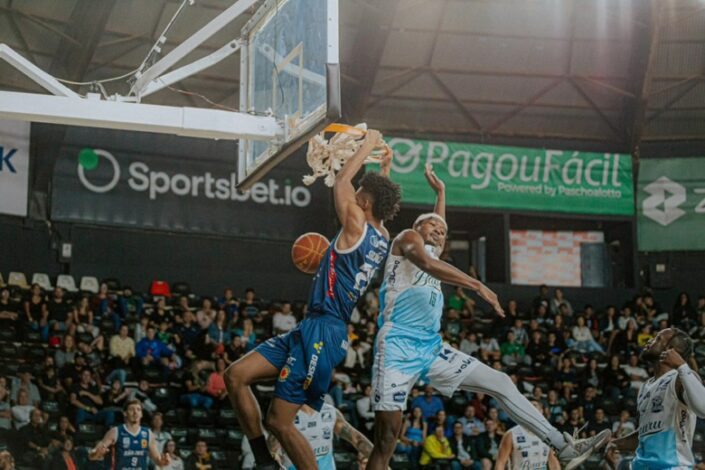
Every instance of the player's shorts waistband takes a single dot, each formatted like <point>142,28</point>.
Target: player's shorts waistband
<point>395,329</point>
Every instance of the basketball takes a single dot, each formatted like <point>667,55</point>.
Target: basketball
<point>308,250</point>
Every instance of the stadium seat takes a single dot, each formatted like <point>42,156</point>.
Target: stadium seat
<point>89,433</point>
<point>201,417</point>
<point>43,280</point>
<point>51,408</point>
<point>181,288</point>
<point>226,417</point>
<point>90,284</point>
<point>7,334</point>
<point>33,337</point>
<point>160,289</point>
<point>66,282</point>
<point>8,351</point>
<point>17,279</point>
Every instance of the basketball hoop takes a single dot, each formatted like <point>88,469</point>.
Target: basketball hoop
<point>327,156</point>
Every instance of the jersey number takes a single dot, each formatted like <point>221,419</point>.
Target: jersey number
<point>434,298</point>
<point>134,463</point>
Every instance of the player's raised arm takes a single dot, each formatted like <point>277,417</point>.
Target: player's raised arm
<point>411,245</point>
<point>689,387</point>
<point>440,189</point>
<point>102,448</point>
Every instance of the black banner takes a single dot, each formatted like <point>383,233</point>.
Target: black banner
<point>164,182</point>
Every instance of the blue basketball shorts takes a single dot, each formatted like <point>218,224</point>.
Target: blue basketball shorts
<point>306,357</point>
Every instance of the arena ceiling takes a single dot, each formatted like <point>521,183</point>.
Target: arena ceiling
<point>616,73</point>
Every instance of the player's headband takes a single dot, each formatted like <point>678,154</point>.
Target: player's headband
<point>430,215</point>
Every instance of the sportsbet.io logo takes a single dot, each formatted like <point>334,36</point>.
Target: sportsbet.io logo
<point>156,183</point>
<point>88,160</point>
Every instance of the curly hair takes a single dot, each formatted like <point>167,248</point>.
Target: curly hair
<point>385,195</point>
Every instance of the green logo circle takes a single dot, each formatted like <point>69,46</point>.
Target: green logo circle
<point>88,159</point>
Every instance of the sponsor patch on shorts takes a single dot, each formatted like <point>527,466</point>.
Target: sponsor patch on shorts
<point>399,397</point>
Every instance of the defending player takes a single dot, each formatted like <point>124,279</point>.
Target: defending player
<point>668,404</point>
<point>318,428</point>
<point>303,359</point>
<point>408,345</point>
<point>524,451</point>
<point>131,443</point>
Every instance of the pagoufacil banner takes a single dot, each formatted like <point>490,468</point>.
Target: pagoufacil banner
<point>514,178</point>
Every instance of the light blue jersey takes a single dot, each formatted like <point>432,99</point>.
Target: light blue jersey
<point>666,427</point>
<point>411,300</point>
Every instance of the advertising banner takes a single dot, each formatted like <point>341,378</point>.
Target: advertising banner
<point>671,204</point>
<point>513,178</point>
<point>178,184</point>
<point>14,167</point>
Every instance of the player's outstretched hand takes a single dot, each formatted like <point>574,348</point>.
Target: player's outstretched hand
<point>373,138</point>
<point>672,359</point>
<point>385,165</point>
<point>98,453</point>
<point>434,181</point>
<point>492,299</point>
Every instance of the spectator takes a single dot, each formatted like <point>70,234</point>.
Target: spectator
<point>67,353</point>
<point>611,459</point>
<point>637,374</point>
<point>161,314</point>
<point>284,321</point>
<point>452,325</point>
<point>592,376</point>
<point>228,302</point>
<point>115,397</point>
<point>542,298</point>
<point>181,309</point>
<point>461,302</point>
<point>616,382</point>
<point>36,311</point>
<point>520,333</point>
<point>50,388</point>
<point>35,441</point>
<point>186,333</point>
<point>9,311</point>
<point>487,444</point>
<point>160,436</point>
<point>247,334</point>
<point>575,423</point>
<point>64,429</point>
<point>472,426</point>
<point>144,394</point>
<point>557,301</point>
<point>59,310</point>
<point>513,352</point>
<point>218,333</point>
<point>250,305</point>
<point>86,400</point>
<point>7,462</point>
<point>626,318</point>
<point>152,352</point>
<point>82,317</point>
<point>234,350</point>
<point>365,409</point>
<point>588,403</point>
<point>206,315</point>
<point>441,419</point>
<point>683,315</point>
<point>24,382</point>
<point>65,458</point>
<point>200,459</point>
<point>489,349</point>
<point>122,353</point>
<point>175,460</point>
<point>22,411</point>
<point>413,434</point>
<point>196,389</point>
<point>216,385</point>
<point>537,349</point>
<point>429,403</point>
<point>141,328</point>
<point>584,341</point>
<point>624,426</point>
<point>5,414</point>
<point>130,304</point>
<point>469,344</point>
<point>437,450</point>
<point>555,406</point>
<point>599,423</point>
<point>464,451</point>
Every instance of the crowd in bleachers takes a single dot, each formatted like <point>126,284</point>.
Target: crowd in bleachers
<point>70,360</point>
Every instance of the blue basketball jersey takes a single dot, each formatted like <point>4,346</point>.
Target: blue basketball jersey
<point>343,275</point>
<point>131,451</point>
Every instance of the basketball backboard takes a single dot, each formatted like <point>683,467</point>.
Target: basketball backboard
<point>289,69</point>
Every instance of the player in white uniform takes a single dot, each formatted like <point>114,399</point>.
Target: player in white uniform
<point>319,428</point>
<point>408,346</point>
<point>668,404</point>
<point>524,450</point>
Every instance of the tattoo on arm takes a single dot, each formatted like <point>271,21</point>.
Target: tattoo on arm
<point>354,437</point>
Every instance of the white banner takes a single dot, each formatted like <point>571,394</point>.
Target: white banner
<point>14,167</point>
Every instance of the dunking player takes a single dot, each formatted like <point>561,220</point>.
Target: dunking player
<point>303,359</point>
<point>668,404</point>
<point>408,345</point>
<point>131,443</point>
<point>524,451</point>
<point>319,428</point>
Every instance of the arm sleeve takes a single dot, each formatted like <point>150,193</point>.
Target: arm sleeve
<point>693,390</point>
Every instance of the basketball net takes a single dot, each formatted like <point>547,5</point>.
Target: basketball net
<point>327,156</point>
